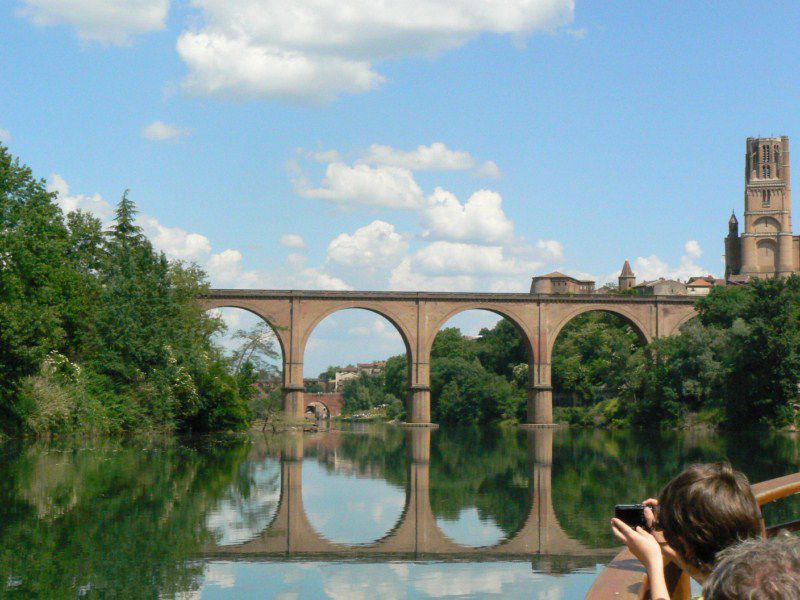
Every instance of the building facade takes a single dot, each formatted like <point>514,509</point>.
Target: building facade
<point>559,283</point>
<point>767,247</point>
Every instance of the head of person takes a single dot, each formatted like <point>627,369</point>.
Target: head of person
<point>757,569</point>
<point>705,509</point>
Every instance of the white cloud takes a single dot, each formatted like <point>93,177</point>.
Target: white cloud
<point>390,187</point>
<point>324,156</point>
<point>314,50</point>
<point>692,249</point>
<point>5,135</point>
<point>104,21</point>
<point>159,131</point>
<point>436,157</point>
<point>224,64</point>
<point>174,241</point>
<point>375,246</point>
<point>379,327</point>
<point>653,267</point>
<point>292,240</point>
<point>223,268</point>
<point>69,203</point>
<point>441,258</point>
<point>488,169</point>
<point>481,218</point>
<point>408,278</point>
<point>550,250</point>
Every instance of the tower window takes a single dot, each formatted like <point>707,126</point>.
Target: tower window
<point>766,172</point>
<point>765,199</point>
<point>765,154</point>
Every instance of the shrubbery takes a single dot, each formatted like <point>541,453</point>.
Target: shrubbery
<point>99,332</point>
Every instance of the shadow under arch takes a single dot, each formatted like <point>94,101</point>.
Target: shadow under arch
<point>314,403</point>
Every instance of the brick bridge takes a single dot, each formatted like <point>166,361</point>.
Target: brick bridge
<point>418,316</point>
<point>416,534</point>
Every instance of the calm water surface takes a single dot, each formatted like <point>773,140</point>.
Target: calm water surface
<point>373,512</point>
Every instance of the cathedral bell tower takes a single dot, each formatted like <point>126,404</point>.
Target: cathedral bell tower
<point>767,246</point>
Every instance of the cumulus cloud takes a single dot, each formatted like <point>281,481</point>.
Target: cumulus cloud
<point>175,242</point>
<point>104,21</point>
<point>159,131</point>
<point>389,187</point>
<point>436,157</point>
<point>653,267</point>
<point>225,268</point>
<point>481,218</point>
<point>292,240</point>
<point>5,135</point>
<point>94,204</point>
<point>313,51</point>
<point>374,246</point>
<point>692,249</point>
<point>448,257</point>
<point>488,169</point>
<point>550,250</point>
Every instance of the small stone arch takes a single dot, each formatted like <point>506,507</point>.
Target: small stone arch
<point>767,253</point>
<point>630,318</point>
<point>313,403</point>
<point>767,225</point>
<point>501,311</point>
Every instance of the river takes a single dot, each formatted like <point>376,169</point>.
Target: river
<point>354,512</point>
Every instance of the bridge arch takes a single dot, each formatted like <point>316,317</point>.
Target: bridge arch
<point>279,331</point>
<point>501,310</point>
<point>317,316</point>
<point>681,322</point>
<point>641,330</point>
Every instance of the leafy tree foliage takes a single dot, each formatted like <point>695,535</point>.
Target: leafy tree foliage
<point>98,331</point>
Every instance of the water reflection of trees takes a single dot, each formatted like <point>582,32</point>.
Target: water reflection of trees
<point>130,519</point>
<point>593,470</point>
<point>113,520</point>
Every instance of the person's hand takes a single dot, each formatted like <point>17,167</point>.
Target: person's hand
<point>641,543</point>
<point>649,512</point>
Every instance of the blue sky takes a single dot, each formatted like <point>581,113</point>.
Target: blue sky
<point>277,142</point>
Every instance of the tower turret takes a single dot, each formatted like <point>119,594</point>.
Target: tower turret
<point>626,277</point>
<point>733,225</point>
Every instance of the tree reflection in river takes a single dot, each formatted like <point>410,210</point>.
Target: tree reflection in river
<point>142,518</point>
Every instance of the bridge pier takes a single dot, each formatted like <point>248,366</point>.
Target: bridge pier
<point>294,401</point>
<point>418,407</point>
<point>540,406</point>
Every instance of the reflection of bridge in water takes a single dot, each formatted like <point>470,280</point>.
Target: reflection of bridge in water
<point>417,534</point>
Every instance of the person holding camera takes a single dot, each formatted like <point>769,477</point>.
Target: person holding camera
<point>702,511</point>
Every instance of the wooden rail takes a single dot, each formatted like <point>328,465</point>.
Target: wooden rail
<point>624,577</point>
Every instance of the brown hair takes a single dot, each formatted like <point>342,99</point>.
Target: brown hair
<point>705,509</point>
